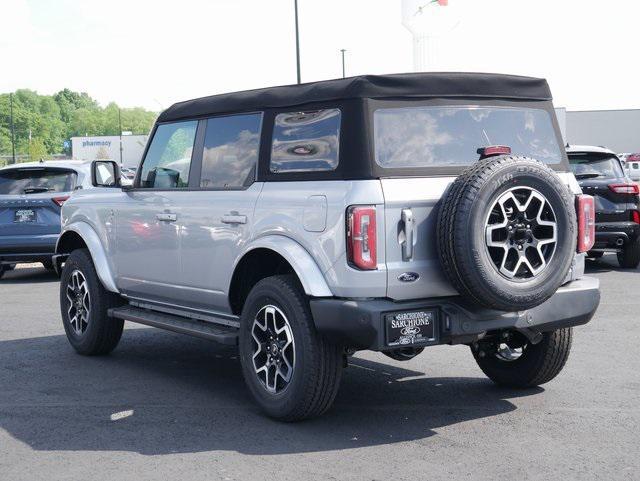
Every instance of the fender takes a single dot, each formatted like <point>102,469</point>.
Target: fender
<point>96,249</point>
<point>305,267</point>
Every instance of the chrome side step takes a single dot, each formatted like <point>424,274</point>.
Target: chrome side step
<point>182,325</point>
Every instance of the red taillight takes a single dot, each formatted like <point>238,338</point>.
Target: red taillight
<point>586,222</point>
<point>492,150</point>
<point>361,237</point>
<point>624,188</point>
<point>60,200</point>
<point>635,216</point>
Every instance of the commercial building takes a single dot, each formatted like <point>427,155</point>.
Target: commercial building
<point>108,148</point>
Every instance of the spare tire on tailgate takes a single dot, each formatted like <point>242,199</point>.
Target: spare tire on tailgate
<point>507,233</point>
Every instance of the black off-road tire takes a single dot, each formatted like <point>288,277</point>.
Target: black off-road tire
<point>629,258</point>
<point>538,364</point>
<point>462,250</point>
<point>102,332</point>
<point>318,363</point>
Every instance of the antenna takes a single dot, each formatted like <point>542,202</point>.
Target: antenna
<point>427,20</point>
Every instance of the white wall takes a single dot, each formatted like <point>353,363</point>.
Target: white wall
<point>108,148</point>
<point>618,130</point>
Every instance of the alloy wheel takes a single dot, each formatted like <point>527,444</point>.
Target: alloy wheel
<point>79,302</point>
<point>274,349</point>
<point>521,233</point>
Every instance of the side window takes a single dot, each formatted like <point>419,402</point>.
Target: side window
<point>306,141</point>
<point>168,159</point>
<point>231,146</point>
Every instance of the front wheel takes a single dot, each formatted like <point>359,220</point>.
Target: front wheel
<point>522,364</point>
<point>629,258</point>
<point>84,303</point>
<point>292,372</point>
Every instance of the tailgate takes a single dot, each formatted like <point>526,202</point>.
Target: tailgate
<point>29,215</point>
<point>419,198</point>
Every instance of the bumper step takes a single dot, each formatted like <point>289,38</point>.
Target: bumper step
<point>182,325</point>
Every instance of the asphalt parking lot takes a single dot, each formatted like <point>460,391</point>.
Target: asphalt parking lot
<point>170,407</point>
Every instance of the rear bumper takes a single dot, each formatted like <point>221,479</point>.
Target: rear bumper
<point>27,248</point>
<point>360,324</point>
<point>613,236</point>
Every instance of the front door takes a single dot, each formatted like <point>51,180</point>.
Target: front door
<point>148,223</point>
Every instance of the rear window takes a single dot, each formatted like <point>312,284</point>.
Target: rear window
<point>586,166</point>
<point>36,181</point>
<point>429,136</point>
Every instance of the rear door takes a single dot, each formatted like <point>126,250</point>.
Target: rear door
<point>419,148</point>
<point>217,215</point>
<point>30,199</point>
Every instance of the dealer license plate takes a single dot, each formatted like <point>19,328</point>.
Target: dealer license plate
<point>24,215</point>
<point>411,328</point>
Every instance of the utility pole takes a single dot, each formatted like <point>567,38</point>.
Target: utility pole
<point>13,133</point>
<point>120,129</point>
<point>343,70</point>
<point>295,4</point>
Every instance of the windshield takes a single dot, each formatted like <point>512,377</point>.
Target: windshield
<point>429,136</point>
<point>36,181</point>
<point>592,165</point>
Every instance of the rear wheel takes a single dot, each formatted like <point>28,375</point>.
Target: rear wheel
<point>522,364</point>
<point>629,258</point>
<point>292,372</point>
<point>84,303</point>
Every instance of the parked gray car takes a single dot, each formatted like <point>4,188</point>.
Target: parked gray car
<point>304,223</point>
<point>31,196</point>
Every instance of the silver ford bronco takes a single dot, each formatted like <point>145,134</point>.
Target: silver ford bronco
<point>304,223</point>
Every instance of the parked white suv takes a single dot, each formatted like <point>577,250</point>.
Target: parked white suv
<point>307,222</point>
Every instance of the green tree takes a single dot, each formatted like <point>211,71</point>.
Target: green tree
<point>52,119</point>
<point>37,149</point>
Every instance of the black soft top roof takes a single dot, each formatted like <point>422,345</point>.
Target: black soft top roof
<point>411,85</point>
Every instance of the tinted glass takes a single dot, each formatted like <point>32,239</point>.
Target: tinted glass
<point>306,141</point>
<point>586,166</point>
<point>36,181</point>
<point>231,146</point>
<point>451,136</point>
<point>168,159</point>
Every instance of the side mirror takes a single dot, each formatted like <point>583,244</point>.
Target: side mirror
<point>105,173</point>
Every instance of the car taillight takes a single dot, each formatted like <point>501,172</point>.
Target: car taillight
<point>586,222</point>
<point>625,188</point>
<point>635,216</point>
<point>361,237</point>
<point>60,200</point>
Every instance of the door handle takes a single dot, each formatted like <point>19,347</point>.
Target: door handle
<point>234,218</point>
<point>407,244</point>
<point>167,217</point>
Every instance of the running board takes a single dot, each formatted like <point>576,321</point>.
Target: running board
<point>182,325</point>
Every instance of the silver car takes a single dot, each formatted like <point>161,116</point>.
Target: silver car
<point>304,223</point>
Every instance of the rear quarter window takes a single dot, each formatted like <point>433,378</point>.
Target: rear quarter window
<point>306,141</point>
<point>36,181</point>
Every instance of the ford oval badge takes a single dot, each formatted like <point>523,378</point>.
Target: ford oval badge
<point>408,277</point>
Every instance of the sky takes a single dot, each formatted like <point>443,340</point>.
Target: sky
<point>153,53</point>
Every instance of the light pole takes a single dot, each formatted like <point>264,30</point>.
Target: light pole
<point>342,50</point>
<point>120,128</point>
<point>13,133</point>
<point>295,4</point>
